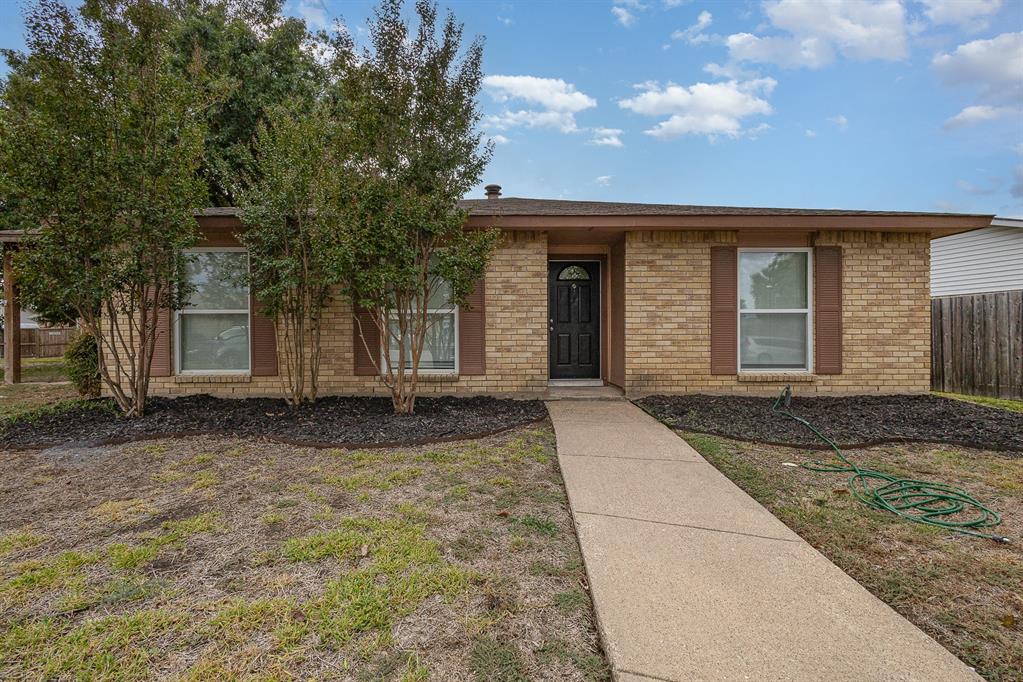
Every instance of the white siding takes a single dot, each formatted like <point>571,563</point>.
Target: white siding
<point>990,259</point>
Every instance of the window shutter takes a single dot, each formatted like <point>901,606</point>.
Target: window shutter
<point>723,309</point>
<point>364,362</point>
<point>162,362</point>
<point>827,297</point>
<point>263,340</point>
<point>472,332</point>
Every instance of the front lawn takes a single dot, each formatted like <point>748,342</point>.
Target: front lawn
<point>1001,403</point>
<point>40,369</point>
<point>965,592</point>
<point>225,558</point>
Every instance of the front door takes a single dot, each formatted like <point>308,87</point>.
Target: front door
<point>573,290</point>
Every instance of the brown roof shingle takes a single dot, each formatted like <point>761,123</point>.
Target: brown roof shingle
<point>516,206</point>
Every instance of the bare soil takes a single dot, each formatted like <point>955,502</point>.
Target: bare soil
<point>852,421</point>
<point>214,557</point>
<point>338,421</point>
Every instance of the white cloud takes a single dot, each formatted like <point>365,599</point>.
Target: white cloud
<point>978,190</point>
<point>993,68</point>
<point>811,52</point>
<point>694,35</point>
<point>313,12</point>
<point>550,93</point>
<point>606,137</point>
<point>558,101</point>
<point>507,21</point>
<point>624,16</point>
<point>979,113</point>
<point>554,105</point>
<point>710,109</point>
<point>971,15</point>
<point>603,180</point>
<point>811,133</point>
<point>499,139</point>
<point>840,120</point>
<point>672,4</point>
<point>814,31</point>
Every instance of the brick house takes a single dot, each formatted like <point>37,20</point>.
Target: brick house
<point>645,297</point>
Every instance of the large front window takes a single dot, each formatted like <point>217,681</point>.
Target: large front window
<point>439,345</point>
<point>213,328</point>
<point>774,309</point>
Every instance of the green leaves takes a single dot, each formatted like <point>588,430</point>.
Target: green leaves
<point>100,149</point>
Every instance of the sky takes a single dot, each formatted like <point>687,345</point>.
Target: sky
<point>856,104</point>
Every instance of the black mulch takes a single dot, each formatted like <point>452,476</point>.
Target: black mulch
<point>849,421</point>
<point>347,421</point>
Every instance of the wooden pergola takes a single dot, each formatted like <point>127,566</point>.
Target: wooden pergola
<point>12,309</point>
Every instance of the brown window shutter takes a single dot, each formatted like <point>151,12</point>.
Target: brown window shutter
<point>162,362</point>
<point>365,343</point>
<point>827,297</point>
<point>264,341</point>
<point>724,305</point>
<point>472,353</point>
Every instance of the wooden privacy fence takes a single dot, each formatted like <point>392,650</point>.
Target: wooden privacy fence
<point>44,343</point>
<point>977,344</point>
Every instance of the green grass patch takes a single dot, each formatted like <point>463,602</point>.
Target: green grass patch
<point>536,524</point>
<point>494,661</point>
<point>18,540</point>
<point>129,557</point>
<point>404,568</point>
<point>111,648</point>
<point>374,481</point>
<point>45,574</point>
<point>571,600</point>
<point>747,476</point>
<point>1000,403</point>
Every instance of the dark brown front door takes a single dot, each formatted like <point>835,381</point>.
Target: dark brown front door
<point>573,290</point>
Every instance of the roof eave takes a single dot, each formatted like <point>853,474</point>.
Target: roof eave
<point>935,224</point>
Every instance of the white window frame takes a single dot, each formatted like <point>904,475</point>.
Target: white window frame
<point>179,347</point>
<point>808,311</point>
<point>385,349</point>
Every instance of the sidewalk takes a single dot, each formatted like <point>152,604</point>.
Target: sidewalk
<point>693,580</point>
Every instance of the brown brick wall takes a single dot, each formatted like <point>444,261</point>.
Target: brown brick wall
<point>886,318</point>
<point>886,323</point>
<point>516,338</point>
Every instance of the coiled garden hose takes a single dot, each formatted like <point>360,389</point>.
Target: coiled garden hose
<point>926,502</point>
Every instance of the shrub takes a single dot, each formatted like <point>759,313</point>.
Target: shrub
<point>81,360</point>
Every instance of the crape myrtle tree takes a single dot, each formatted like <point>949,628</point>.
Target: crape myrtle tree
<point>250,59</point>
<point>286,219</point>
<point>408,106</point>
<point>100,148</point>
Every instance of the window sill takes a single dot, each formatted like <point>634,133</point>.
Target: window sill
<point>212,378</point>
<point>774,377</point>
<point>436,377</point>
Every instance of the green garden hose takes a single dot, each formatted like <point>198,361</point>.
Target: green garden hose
<point>927,502</point>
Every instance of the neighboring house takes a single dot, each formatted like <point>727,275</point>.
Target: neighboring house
<point>646,297</point>
<point>977,311</point>
<point>988,259</point>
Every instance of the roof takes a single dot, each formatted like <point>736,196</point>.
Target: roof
<point>1008,222</point>
<point>517,206</point>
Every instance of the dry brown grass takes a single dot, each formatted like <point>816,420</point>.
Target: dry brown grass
<point>965,592</point>
<point>210,558</point>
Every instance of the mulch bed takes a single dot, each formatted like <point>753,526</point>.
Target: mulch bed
<point>853,421</point>
<point>332,421</point>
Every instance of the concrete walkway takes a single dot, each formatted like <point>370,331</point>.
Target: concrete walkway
<point>693,580</point>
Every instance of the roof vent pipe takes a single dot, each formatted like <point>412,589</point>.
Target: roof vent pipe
<point>493,191</point>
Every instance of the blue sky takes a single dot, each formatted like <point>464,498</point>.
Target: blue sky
<point>870,104</point>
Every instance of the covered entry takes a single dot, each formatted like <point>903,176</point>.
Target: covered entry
<point>574,319</point>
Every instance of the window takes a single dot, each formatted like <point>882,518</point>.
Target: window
<point>213,329</point>
<point>440,344</point>
<point>573,272</point>
<point>774,309</point>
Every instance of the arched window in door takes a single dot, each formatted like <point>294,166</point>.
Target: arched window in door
<point>573,273</point>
